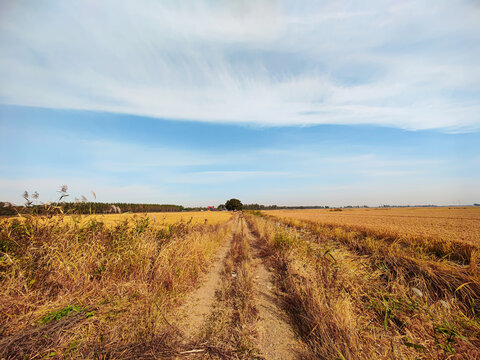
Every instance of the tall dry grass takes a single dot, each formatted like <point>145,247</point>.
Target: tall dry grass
<point>86,289</point>
<point>354,305</point>
<point>437,277</point>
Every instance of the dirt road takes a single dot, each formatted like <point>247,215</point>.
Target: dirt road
<point>236,312</point>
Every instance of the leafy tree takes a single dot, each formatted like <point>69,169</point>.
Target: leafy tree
<point>234,204</point>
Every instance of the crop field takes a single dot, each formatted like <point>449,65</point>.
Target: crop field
<point>394,283</point>
<point>283,284</point>
<point>156,218</point>
<point>447,224</point>
<point>166,218</point>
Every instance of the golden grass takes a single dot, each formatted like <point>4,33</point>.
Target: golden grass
<point>166,218</point>
<point>363,283</point>
<point>93,289</point>
<point>445,223</point>
<point>354,297</point>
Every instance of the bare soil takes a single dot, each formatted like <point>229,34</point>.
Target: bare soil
<point>198,305</point>
<point>276,338</point>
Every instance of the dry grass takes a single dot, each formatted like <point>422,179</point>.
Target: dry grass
<point>452,224</point>
<point>168,218</point>
<point>451,233</point>
<point>354,297</point>
<point>84,288</point>
<point>319,307</point>
<point>439,276</point>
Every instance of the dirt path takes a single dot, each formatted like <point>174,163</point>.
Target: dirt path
<point>276,338</point>
<point>199,304</point>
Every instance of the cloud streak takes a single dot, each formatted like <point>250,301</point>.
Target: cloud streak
<point>127,158</point>
<point>412,65</point>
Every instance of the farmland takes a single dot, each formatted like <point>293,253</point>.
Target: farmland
<point>447,224</point>
<point>296,284</point>
<point>409,278</point>
<point>164,218</point>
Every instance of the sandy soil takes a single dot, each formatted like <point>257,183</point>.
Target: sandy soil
<point>276,338</point>
<point>199,303</point>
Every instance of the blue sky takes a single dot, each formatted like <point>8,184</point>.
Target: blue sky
<point>322,103</point>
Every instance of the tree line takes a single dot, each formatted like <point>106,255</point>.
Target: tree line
<point>87,208</point>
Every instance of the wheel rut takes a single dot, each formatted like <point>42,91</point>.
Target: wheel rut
<point>276,338</point>
<point>199,304</point>
<point>272,336</point>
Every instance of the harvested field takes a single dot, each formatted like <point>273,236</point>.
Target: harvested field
<point>408,300</point>
<point>443,223</point>
<point>440,233</point>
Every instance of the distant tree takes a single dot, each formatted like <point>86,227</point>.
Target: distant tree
<point>221,207</point>
<point>234,204</point>
<point>253,207</point>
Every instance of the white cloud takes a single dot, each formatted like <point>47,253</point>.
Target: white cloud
<point>412,65</point>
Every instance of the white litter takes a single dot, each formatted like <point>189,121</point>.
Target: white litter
<point>417,292</point>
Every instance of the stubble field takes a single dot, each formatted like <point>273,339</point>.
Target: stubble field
<point>444,223</point>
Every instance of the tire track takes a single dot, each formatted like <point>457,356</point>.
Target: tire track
<point>199,304</point>
<point>236,313</point>
<point>276,337</point>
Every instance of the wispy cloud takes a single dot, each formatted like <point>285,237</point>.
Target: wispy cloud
<point>233,176</point>
<point>124,158</point>
<point>412,65</point>
<point>134,159</point>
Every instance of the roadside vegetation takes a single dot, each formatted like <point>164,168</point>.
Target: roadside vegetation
<point>79,288</point>
<point>354,294</point>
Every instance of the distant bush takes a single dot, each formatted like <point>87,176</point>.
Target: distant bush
<point>7,209</point>
<point>234,204</point>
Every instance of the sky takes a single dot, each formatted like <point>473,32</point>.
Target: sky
<point>275,102</point>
